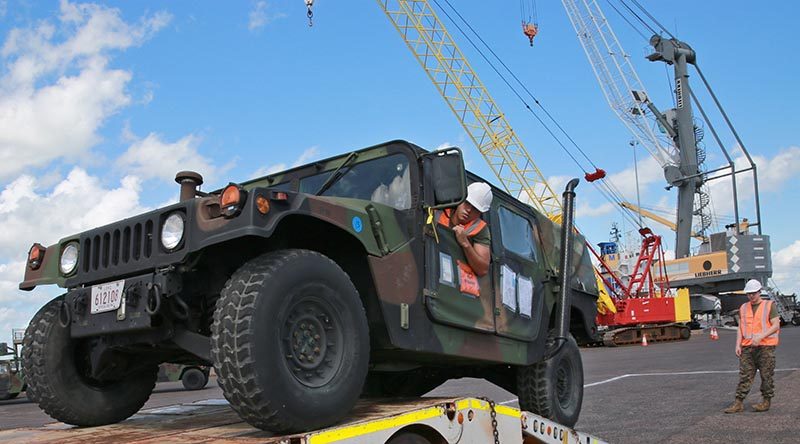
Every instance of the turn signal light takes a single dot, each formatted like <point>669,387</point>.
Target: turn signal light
<point>36,256</point>
<point>262,204</point>
<point>232,199</point>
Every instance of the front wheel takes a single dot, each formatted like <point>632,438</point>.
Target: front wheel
<point>554,388</point>
<point>56,371</point>
<point>290,341</point>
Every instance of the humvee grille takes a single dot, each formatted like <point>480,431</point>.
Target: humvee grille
<point>112,247</point>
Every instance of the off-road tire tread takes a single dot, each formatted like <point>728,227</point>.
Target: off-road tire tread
<point>232,353</point>
<point>534,391</point>
<point>40,389</point>
<point>532,386</point>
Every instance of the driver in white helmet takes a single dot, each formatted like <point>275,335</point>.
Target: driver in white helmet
<point>472,233</point>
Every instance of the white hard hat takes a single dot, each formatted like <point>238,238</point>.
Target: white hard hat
<point>479,195</point>
<point>752,286</point>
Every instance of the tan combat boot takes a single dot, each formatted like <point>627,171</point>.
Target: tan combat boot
<point>763,406</point>
<point>736,407</point>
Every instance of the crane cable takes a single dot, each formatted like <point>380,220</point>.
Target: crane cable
<point>635,28</point>
<point>647,13</point>
<point>606,188</point>
<point>516,93</point>
<point>641,20</point>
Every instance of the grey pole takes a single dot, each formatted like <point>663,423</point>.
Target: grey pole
<point>679,54</point>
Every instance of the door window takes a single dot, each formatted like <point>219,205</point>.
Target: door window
<point>517,234</point>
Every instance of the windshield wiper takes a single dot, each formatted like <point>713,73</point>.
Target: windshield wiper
<point>337,174</point>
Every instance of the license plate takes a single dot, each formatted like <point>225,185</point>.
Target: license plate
<point>107,297</point>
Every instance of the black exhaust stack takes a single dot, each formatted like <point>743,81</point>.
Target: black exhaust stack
<point>189,181</point>
<point>567,240</point>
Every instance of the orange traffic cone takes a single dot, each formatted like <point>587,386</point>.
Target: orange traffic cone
<point>644,340</point>
<point>714,334</point>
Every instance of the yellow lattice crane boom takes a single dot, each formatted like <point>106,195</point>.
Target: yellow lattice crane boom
<point>473,106</point>
<point>663,221</point>
<point>459,85</point>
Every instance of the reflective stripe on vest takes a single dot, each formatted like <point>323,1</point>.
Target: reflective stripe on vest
<point>471,229</point>
<point>751,324</point>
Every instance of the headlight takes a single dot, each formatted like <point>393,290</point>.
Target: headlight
<point>69,258</point>
<point>172,231</point>
<point>3,369</point>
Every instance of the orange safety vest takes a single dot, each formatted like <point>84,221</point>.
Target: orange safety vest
<point>471,229</point>
<point>467,279</point>
<point>751,324</point>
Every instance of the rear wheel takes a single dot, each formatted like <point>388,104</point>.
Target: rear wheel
<point>290,341</point>
<point>5,394</point>
<point>58,380</point>
<point>554,388</point>
<point>194,379</point>
<point>417,436</point>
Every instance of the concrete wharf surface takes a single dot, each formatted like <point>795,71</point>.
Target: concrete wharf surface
<point>663,393</point>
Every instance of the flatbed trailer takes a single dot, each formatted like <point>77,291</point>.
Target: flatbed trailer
<point>417,421</point>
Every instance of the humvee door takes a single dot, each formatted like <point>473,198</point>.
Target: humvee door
<point>518,271</point>
<point>448,299</point>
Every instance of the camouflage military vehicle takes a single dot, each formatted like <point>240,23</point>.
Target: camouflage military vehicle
<point>307,289</point>
<point>12,377</point>
<point>193,377</point>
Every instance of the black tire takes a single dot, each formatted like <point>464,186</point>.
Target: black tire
<point>290,341</point>
<point>56,382</point>
<point>5,395</point>
<point>412,438</point>
<point>554,388</point>
<point>194,379</point>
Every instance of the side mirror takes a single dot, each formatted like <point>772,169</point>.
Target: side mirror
<point>445,179</point>
<point>3,348</point>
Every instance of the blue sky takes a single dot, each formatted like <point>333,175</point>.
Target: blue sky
<point>101,103</point>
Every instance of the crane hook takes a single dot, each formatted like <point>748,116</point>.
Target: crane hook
<point>310,13</point>
<point>530,30</point>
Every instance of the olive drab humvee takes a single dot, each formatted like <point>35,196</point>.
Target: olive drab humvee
<point>193,377</point>
<point>308,289</point>
<point>12,377</point>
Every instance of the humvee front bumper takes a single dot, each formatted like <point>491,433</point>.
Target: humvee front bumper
<point>141,302</point>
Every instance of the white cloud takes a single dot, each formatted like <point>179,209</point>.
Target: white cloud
<point>773,174</point>
<point>29,214</point>
<point>305,157</point>
<point>77,203</point>
<point>154,158</point>
<point>786,268</point>
<point>586,210</point>
<point>649,171</point>
<point>55,95</point>
<point>260,16</point>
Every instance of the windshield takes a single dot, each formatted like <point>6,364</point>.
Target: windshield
<point>384,180</point>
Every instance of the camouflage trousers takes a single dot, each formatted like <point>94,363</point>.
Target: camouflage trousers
<point>752,359</point>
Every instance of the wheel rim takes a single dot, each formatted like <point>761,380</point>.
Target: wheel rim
<point>564,381</point>
<point>313,341</point>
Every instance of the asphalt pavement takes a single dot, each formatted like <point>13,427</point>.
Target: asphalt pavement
<point>664,393</point>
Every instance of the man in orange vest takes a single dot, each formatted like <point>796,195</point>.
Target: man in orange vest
<point>759,327</point>
<point>472,233</point>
